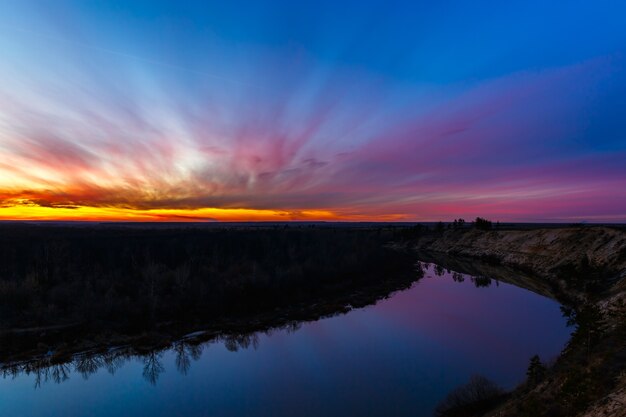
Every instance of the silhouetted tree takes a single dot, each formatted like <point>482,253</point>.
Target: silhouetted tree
<point>585,275</point>
<point>482,224</point>
<point>536,371</point>
<point>590,324</point>
<point>458,224</point>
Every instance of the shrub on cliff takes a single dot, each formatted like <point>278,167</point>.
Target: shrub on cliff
<point>536,371</point>
<point>482,224</point>
<point>477,396</point>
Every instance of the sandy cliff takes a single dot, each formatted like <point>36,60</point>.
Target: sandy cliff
<point>587,381</point>
<point>540,251</point>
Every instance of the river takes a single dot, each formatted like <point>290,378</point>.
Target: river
<point>399,357</point>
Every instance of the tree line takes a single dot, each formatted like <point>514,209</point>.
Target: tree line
<point>123,277</point>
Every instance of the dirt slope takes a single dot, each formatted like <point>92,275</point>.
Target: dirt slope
<point>596,381</point>
<point>541,251</point>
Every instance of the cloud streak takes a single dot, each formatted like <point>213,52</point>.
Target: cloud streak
<point>298,137</point>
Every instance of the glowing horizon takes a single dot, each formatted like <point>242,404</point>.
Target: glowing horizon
<point>159,111</point>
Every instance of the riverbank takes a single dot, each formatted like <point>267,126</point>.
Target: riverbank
<point>584,268</point>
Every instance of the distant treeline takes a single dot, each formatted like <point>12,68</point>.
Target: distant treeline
<point>120,277</point>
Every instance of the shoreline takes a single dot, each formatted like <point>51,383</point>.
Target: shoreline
<point>235,334</point>
<point>584,269</point>
<point>166,333</point>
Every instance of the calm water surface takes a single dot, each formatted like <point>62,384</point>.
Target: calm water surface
<point>397,358</point>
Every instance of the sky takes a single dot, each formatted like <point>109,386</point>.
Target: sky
<point>355,111</point>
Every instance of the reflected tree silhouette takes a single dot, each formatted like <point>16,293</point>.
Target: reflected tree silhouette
<point>292,327</point>
<point>195,350</point>
<point>152,367</point>
<point>183,360</point>
<point>88,365</point>
<point>231,345</point>
<point>114,361</point>
<point>10,372</point>
<point>43,372</point>
<point>419,270</point>
<point>235,342</point>
<point>39,375</point>
<point>60,373</point>
<point>481,281</point>
<point>48,368</point>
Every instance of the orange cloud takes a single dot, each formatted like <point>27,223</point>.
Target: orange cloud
<point>31,211</point>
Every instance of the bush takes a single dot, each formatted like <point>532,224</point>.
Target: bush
<point>478,395</point>
<point>536,371</point>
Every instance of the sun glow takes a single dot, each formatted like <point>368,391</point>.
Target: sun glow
<point>26,211</point>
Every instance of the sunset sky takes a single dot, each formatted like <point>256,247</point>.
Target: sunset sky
<point>228,110</point>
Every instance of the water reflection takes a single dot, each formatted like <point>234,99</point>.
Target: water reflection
<point>440,271</point>
<point>47,369</point>
<point>400,357</point>
<point>57,368</point>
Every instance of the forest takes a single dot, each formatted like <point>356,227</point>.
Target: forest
<point>132,278</point>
